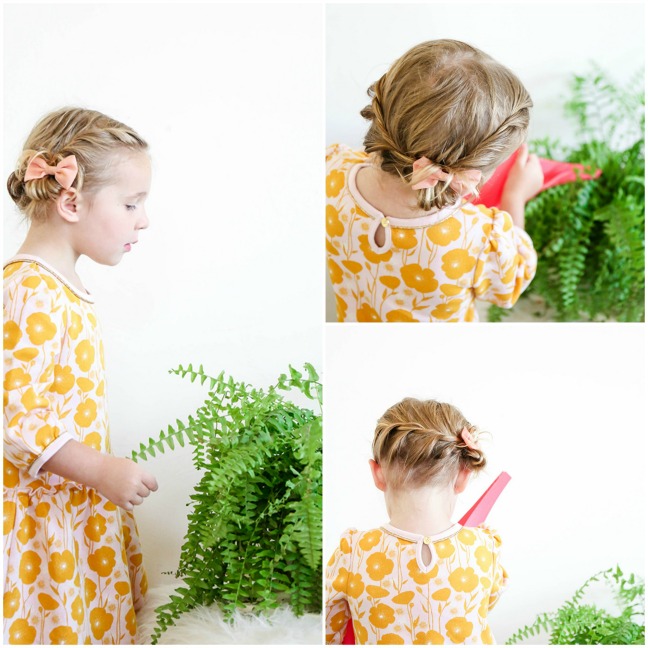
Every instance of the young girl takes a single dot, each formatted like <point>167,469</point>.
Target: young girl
<point>73,566</point>
<point>403,244</point>
<point>419,579</point>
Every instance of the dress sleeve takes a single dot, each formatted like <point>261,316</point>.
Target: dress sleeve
<point>507,263</point>
<point>337,578</point>
<point>499,576</point>
<point>34,324</point>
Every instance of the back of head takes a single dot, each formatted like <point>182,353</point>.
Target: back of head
<point>451,103</point>
<point>92,137</point>
<point>419,443</point>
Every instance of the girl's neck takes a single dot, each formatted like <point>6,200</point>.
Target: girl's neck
<point>426,511</point>
<point>387,193</point>
<point>44,240</point>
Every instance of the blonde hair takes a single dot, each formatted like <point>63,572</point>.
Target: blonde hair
<point>419,443</point>
<point>92,137</point>
<point>448,102</point>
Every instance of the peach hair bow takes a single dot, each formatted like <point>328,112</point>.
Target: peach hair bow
<point>65,171</point>
<point>463,182</point>
<point>469,440</point>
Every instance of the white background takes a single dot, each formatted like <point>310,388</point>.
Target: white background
<point>230,98</point>
<point>565,407</point>
<point>544,44</point>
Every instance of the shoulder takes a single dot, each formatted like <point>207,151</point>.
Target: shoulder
<point>29,277</point>
<point>489,535</point>
<point>341,156</point>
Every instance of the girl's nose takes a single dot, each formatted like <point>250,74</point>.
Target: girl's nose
<point>143,222</point>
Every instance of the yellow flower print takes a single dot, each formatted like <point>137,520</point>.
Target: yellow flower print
<point>131,625</point>
<point>370,255</point>
<point>464,580</point>
<point>63,379</point>
<point>420,577</point>
<point>334,225</point>
<point>78,609</point>
<point>11,335</point>
<point>352,266</point>
<point>335,272</point>
<point>86,413</point>
<point>95,527</point>
<point>334,183</point>
<point>31,282</point>
<point>400,315</point>
<point>444,232</point>
<point>15,379</point>
<point>345,547</point>
<point>61,566</point>
<point>429,637</point>
<point>444,549</point>
<point>10,474</point>
<point>31,400</point>
<point>47,602</point>
<point>421,279</point>
<point>370,539</point>
<point>355,586</point>
<point>390,639</point>
<point>442,594</point>
<point>341,308</point>
<point>30,567</point>
<point>84,384</point>
<point>390,282</point>
<point>64,635</point>
<point>340,582</point>
<point>46,435</point>
<point>76,326</point>
<point>8,516</point>
<point>20,632</point>
<point>122,588</point>
<point>378,565</point>
<point>381,615</point>
<point>26,355</point>
<point>377,592</point>
<point>483,608</point>
<point>11,602</point>
<point>459,629</point>
<point>367,314</point>
<point>360,633</point>
<point>27,529</point>
<point>90,591</point>
<point>487,636</point>
<point>40,328</point>
<point>93,440</point>
<point>100,622</point>
<point>485,582</point>
<point>405,239</point>
<point>78,496</point>
<point>338,621</point>
<point>484,558</point>
<point>404,598</point>
<point>102,561</point>
<point>450,290</point>
<point>457,263</point>
<point>84,353</point>
<point>466,536</point>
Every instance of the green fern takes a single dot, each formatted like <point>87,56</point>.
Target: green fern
<point>255,525</point>
<point>590,234</point>
<point>577,623</point>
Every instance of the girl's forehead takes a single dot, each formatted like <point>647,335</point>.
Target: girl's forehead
<point>132,169</point>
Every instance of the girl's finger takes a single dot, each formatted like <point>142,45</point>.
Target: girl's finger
<point>150,482</point>
<point>523,154</point>
<point>136,500</point>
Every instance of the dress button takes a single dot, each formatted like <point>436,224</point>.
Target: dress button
<point>427,540</point>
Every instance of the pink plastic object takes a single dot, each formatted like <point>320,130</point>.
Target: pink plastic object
<point>481,508</point>
<point>555,173</point>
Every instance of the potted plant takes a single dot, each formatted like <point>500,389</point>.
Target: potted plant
<point>254,538</point>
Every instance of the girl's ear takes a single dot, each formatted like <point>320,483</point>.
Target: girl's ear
<point>462,480</point>
<point>377,474</point>
<point>67,205</point>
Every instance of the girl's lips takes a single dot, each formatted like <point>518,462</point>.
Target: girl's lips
<point>127,247</point>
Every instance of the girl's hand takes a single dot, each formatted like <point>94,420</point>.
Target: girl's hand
<point>525,178</point>
<point>124,482</point>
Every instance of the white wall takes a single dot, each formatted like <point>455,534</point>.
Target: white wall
<point>544,44</point>
<point>230,98</point>
<point>565,407</point>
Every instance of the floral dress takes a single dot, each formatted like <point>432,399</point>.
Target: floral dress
<point>430,268</point>
<point>73,565</point>
<point>382,580</point>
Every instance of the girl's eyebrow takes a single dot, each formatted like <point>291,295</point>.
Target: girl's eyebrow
<point>138,195</point>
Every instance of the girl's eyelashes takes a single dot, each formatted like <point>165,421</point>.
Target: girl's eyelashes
<point>131,207</point>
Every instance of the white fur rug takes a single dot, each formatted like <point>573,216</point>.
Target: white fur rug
<point>206,625</point>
